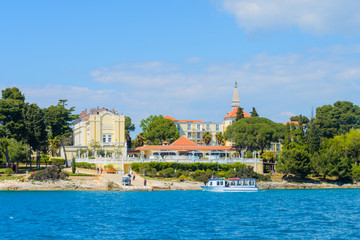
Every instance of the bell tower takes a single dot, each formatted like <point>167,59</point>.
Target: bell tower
<point>235,101</point>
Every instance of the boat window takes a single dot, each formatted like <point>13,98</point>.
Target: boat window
<point>237,182</point>
<point>221,183</point>
<point>217,183</point>
<point>232,183</point>
<point>210,183</point>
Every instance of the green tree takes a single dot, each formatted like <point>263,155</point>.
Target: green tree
<point>312,136</point>
<point>36,135</point>
<point>11,119</point>
<point>58,120</point>
<point>337,119</point>
<point>254,113</point>
<point>162,130</point>
<point>300,118</point>
<point>220,138</point>
<point>239,114</point>
<point>294,161</point>
<point>13,93</point>
<point>207,138</point>
<point>326,162</point>
<point>129,127</point>
<point>73,166</point>
<point>145,122</point>
<point>254,133</point>
<point>139,140</point>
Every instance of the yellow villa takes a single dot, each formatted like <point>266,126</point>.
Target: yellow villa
<point>99,128</point>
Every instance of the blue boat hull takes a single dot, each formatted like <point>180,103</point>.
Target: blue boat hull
<point>229,189</point>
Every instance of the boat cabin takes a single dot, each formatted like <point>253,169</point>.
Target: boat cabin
<point>232,182</point>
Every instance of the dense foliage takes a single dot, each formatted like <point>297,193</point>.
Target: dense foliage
<point>327,145</point>
<point>51,173</point>
<point>86,165</point>
<point>26,128</point>
<point>197,171</point>
<point>254,133</point>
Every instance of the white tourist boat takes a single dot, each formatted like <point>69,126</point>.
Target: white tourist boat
<point>231,185</point>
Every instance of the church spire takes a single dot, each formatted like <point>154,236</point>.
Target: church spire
<point>235,101</point>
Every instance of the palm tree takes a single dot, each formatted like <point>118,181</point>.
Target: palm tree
<point>220,138</point>
<point>54,146</point>
<point>140,140</point>
<point>207,138</point>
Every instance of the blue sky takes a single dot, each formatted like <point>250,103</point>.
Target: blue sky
<point>181,58</point>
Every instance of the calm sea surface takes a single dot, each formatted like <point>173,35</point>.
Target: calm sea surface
<point>270,214</point>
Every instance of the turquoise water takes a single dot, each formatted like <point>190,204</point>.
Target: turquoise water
<point>271,214</point>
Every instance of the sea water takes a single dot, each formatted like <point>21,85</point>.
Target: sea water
<point>267,214</point>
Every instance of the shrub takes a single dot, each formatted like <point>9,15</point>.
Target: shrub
<point>355,173</point>
<point>58,160</point>
<point>51,173</point>
<point>151,173</point>
<point>169,172</point>
<point>182,178</point>
<point>135,167</point>
<point>248,154</point>
<point>8,172</point>
<point>86,165</point>
<point>109,166</point>
<point>178,173</point>
<point>201,175</point>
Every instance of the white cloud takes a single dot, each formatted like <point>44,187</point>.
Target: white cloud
<point>273,84</point>
<point>318,17</point>
<point>277,86</point>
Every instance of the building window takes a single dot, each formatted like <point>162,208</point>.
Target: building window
<point>104,138</point>
<point>198,135</point>
<point>198,127</point>
<point>189,135</point>
<point>272,147</point>
<point>207,127</point>
<point>189,126</point>
<point>278,147</point>
<point>109,138</point>
<point>217,127</point>
<point>178,127</point>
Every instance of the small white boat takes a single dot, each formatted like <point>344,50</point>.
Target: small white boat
<point>231,185</point>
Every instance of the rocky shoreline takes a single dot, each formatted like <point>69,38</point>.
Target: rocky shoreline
<point>292,185</point>
<point>101,184</point>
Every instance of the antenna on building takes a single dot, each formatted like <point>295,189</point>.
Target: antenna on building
<point>312,112</point>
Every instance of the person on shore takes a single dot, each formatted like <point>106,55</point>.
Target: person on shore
<point>97,170</point>
<point>134,177</point>
<point>144,182</point>
<point>101,170</point>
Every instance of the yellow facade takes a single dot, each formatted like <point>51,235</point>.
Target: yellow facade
<point>100,127</point>
<point>194,131</point>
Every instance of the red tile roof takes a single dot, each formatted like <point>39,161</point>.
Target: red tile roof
<point>233,113</point>
<point>183,141</point>
<point>196,147</point>
<point>292,122</point>
<point>173,119</point>
<point>184,144</point>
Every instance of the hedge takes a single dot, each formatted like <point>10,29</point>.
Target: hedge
<point>185,166</point>
<point>86,165</point>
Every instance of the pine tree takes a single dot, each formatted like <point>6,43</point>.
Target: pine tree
<point>254,113</point>
<point>239,114</point>
<point>73,166</point>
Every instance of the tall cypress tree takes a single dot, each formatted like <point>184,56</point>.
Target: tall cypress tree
<point>254,113</point>
<point>239,114</point>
